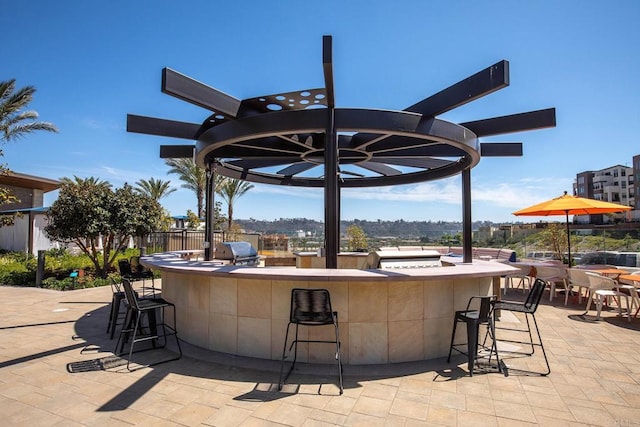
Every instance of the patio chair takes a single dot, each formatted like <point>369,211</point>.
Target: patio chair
<point>310,307</point>
<point>601,290</point>
<point>137,309</point>
<point>553,275</point>
<point>522,277</point>
<point>577,277</point>
<point>473,317</point>
<point>528,308</point>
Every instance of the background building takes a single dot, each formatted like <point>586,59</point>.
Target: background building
<point>616,184</point>
<point>27,232</point>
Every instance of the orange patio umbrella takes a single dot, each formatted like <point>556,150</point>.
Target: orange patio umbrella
<point>571,205</point>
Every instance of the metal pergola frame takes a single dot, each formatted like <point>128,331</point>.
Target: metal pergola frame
<point>283,139</point>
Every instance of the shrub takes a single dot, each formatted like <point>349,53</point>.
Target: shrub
<point>17,270</point>
<point>68,283</point>
<point>61,262</point>
<point>58,284</point>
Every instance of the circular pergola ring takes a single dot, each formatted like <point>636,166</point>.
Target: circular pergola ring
<point>236,146</point>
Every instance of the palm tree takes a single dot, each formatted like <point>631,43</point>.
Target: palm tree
<point>85,182</point>
<point>154,188</point>
<point>193,176</point>
<point>230,189</point>
<point>15,122</point>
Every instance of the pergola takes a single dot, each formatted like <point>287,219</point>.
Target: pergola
<point>301,139</point>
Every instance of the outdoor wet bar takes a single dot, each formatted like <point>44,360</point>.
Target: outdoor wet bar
<point>385,316</point>
<point>302,139</point>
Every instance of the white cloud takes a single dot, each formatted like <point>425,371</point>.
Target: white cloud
<point>97,124</point>
<point>283,190</point>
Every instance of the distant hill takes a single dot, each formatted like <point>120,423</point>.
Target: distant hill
<point>379,228</point>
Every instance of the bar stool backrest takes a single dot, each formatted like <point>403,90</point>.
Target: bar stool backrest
<point>125,268</point>
<point>311,307</point>
<point>485,309</point>
<point>130,294</point>
<point>115,286</point>
<point>136,267</point>
<point>535,295</point>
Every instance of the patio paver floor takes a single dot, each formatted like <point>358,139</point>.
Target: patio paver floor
<point>594,380</point>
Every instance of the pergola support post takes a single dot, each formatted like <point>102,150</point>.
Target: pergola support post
<point>467,242</point>
<point>209,252</point>
<point>331,161</point>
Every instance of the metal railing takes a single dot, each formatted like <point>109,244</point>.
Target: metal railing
<point>184,240</point>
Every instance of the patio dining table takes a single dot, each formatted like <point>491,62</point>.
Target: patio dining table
<point>614,273</point>
<point>635,278</point>
<point>533,264</point>
<point>632,280</point>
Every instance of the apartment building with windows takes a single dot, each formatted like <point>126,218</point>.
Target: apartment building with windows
<point>636,182</point>
<point>616,184</point>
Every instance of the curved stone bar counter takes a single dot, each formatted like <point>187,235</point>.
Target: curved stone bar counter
<point>385,316</point>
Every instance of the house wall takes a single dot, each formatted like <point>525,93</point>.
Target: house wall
<point>40,239</point>
<point>16,237</point>
<point>29,198</point>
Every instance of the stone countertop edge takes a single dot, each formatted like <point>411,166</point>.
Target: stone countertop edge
<point>173,263</point>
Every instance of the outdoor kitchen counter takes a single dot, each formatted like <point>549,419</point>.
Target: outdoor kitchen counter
<point>386,316</point>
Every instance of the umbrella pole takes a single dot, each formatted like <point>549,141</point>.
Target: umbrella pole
<point>568,237</point>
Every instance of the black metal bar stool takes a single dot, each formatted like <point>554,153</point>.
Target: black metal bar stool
<point>529,308</point>
<point>126,269</point>
<point>136,309</point>
<point>473,318</point>
<point>310,307</point>
<point>116,303</point>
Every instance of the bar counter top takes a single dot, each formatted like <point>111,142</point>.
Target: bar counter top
<point>176,262</point>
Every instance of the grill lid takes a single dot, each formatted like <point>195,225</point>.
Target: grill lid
<point>235,250</point>
<point>404,259</point>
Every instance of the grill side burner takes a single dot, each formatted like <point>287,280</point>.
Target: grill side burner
<point>238,253</point>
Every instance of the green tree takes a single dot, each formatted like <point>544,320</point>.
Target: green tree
<point>16,122</point>
<point>193,177</point>
<point>218,218</point>
<point>91,182</point>
<point>356,238</point>
<point>155,188</point>
<point>449,240</point>
<point>554,238</point>
<point>192,219</point>
<point>230,190</point>
<point>166,221</point>
<point>89,209</point>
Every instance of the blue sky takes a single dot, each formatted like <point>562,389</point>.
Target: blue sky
<point>94,62</point>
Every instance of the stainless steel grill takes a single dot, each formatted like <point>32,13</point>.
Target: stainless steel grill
<point>237,253</point>
<point>404,259</point>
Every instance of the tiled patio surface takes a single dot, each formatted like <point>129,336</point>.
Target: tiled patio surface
<point>594,380</point>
